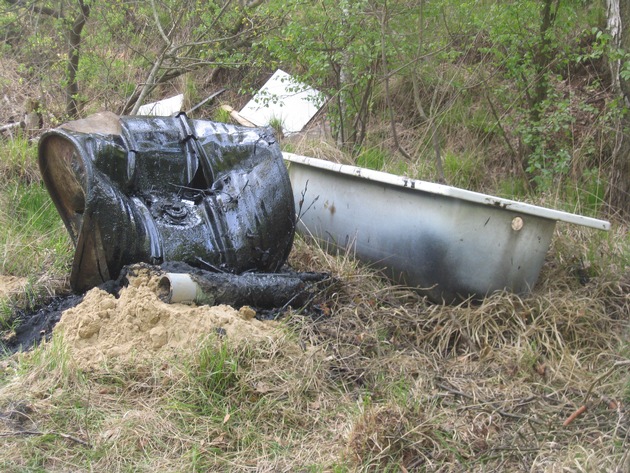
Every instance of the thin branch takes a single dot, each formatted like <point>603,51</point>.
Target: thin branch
<point>159,24</point>
<point>577,413</point>
<point>387,92</point>
<point>151,81</point>
<point>37,432</point>
<point>36,8</point>
<point>167,64</point>
<point>610,371</point>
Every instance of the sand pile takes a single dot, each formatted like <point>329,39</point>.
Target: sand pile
<point>11,285</point>
<point>139,326</point>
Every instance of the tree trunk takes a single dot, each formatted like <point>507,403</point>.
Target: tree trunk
<point>542,58</point>
<point>435,138</point>
<point>74,36</point>
<point>618,194</point>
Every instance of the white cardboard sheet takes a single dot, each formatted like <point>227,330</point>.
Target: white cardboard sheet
<point>163,108</point>
<point>286,99</point>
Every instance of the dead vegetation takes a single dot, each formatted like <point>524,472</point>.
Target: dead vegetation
<point>373,379</point>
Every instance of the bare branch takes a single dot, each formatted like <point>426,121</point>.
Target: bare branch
<point>36,8</point>
<point>166,39</point>
<point>175,60</point>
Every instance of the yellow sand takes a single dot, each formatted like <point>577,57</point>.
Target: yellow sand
<point>10,285</point>
<point>139,326</point>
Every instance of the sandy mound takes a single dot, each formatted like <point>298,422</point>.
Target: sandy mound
<point>139,326</point>
<point>11,285</point>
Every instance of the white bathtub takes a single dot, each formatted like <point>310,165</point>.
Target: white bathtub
<point>448,243</point>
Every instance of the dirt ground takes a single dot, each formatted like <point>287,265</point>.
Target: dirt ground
<point>11,285</point>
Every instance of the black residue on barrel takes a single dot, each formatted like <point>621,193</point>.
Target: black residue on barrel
<point>168,189</point>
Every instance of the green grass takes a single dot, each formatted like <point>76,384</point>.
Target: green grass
<point>463,170</point>
<point>33,239</point>
<point>586,196</point>
<point>211,378</point>
<point>18,163</point>
<point>277,124</point>
<point>7,321</point>
<point>221,115</point>
<point>372,158</point>
<point>512,188</point>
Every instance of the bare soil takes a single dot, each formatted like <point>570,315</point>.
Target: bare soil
<point>137,325</point>
<point>11,285</point>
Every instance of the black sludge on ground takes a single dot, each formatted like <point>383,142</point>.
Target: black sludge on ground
<point>36,325</point>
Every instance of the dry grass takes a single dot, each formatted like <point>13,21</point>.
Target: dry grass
<point>316,144</point>
<point>496,379</point>
<point>373,378</point>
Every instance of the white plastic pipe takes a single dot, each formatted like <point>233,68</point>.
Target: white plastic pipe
<point>179,288</point>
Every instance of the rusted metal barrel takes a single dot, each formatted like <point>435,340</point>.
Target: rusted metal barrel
<point>155,189</point>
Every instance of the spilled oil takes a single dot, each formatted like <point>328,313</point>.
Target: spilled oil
<point>36,325</point>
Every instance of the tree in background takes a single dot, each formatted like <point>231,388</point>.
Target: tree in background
<point>505,81</point>
<point>333,46</point>
<point>189,36</point>
<point>126,50</point>
<point>619,29</point>
<point>66,20</point>
<point>356,53</point>
<point>74,50</point>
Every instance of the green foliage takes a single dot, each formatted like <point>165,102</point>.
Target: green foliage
<point>547,141</point>
<point>347,49</point>
<point>601,47</point>
<point>462,170</point>
<point>372,158</point>
<point>337,53</point>
<point>121,42</point>
<point>534,53</point>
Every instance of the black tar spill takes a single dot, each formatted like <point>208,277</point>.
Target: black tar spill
<point>37,325</point>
